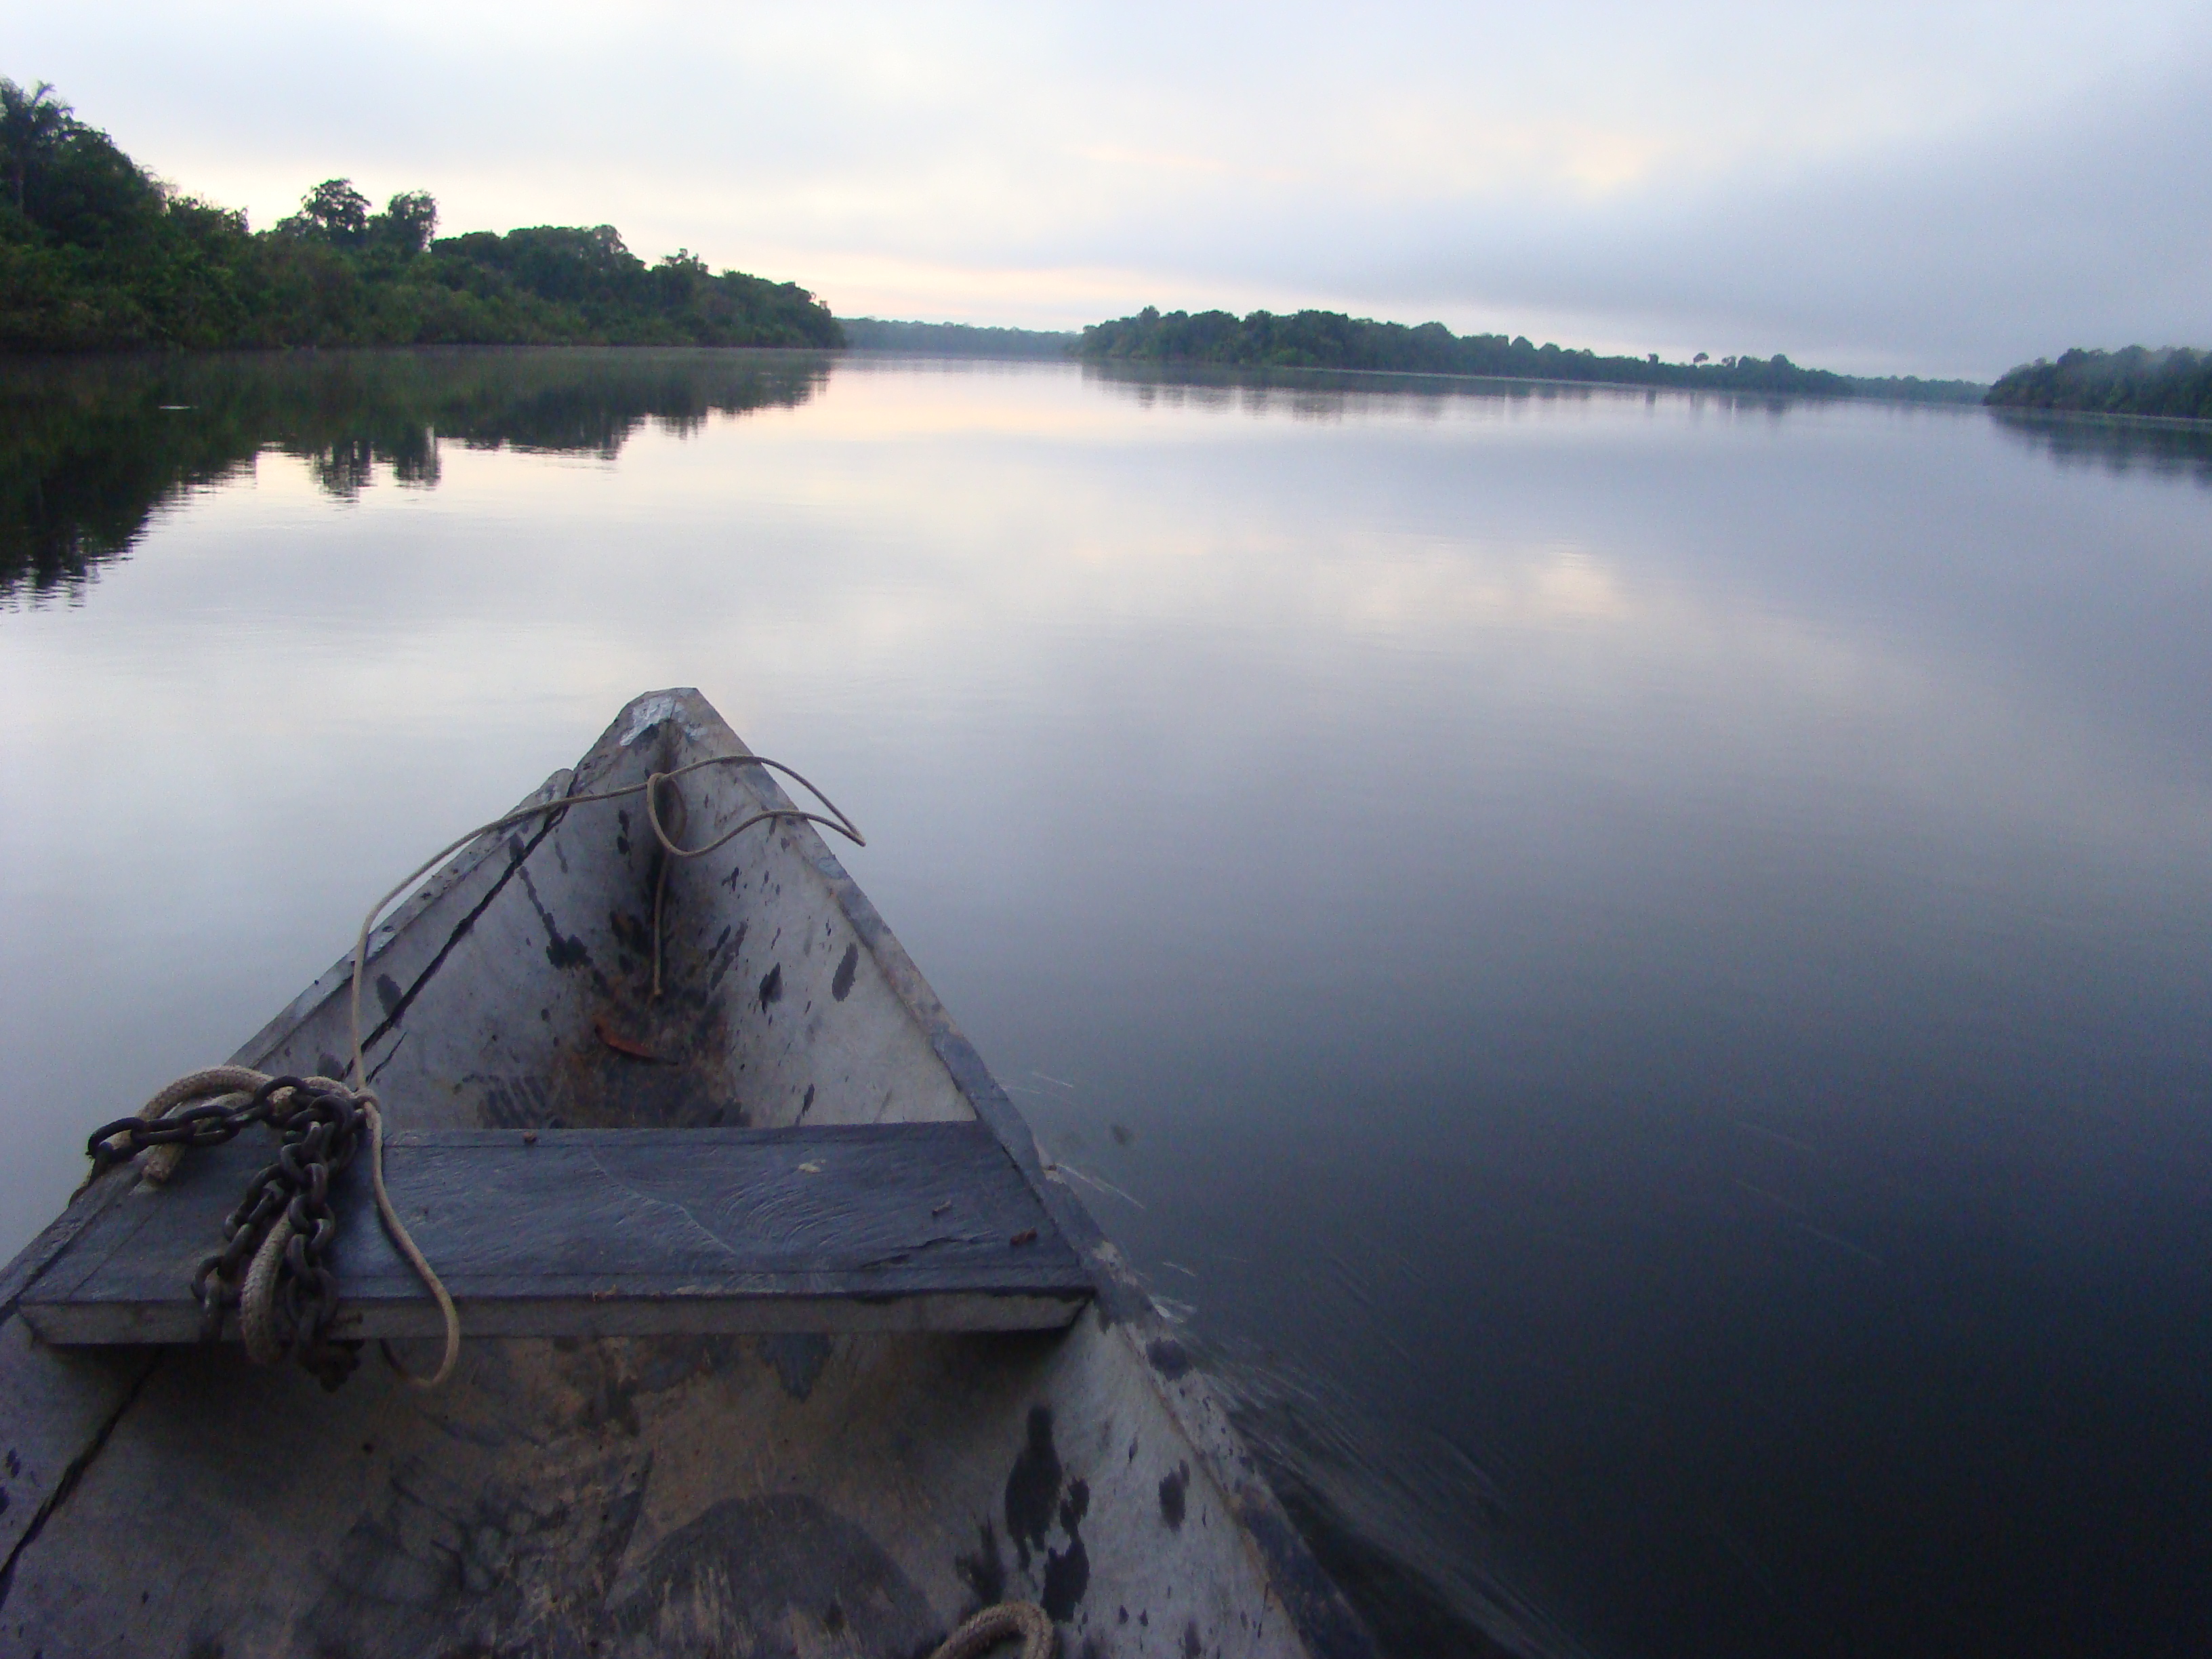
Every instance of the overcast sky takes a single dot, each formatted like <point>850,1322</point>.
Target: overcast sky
<point>1941,187</point>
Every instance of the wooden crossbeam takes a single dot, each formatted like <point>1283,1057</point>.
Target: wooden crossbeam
<point>617,1232</point>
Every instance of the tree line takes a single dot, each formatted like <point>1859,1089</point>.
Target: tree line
<point>1330,339</point>
<point>953,339</point>
<point>96,253</point>
<point>2137,380</point>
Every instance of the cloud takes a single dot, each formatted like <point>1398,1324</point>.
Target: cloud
<point>1947,187</point>
<point>2091,224</point>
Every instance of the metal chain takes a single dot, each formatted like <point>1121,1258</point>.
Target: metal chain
<point>319,1124</point>
<point>290,1298</point>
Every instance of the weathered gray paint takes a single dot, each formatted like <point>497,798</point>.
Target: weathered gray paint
<point>784,1494</point>
<point>616,1232</point>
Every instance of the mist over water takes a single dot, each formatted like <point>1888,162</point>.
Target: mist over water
<point>1633,969</point>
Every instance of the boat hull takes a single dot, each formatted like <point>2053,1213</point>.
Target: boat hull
<point>797,1492</point>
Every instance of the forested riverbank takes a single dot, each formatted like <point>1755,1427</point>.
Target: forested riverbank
<point>954,339</point>
<point>98,254</point>
<point>2175,382</point>
<point>1330,339</point>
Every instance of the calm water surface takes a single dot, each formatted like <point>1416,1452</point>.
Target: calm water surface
<point>1635,969</point>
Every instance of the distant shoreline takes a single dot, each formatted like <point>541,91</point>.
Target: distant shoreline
<point>893,337</point>
<point>2174,383</point>
<point>1165,367</point>
<point>1333,340</point>
<point>98,256</point>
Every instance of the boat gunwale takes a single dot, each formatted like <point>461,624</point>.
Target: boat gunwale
<point>1314,1606</point>
<point>88,1203</point>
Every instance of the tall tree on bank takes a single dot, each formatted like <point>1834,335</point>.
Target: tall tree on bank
<point>333,212</point>
<point>336,213</point>
<point>31,125</point>
<point>405,225</point>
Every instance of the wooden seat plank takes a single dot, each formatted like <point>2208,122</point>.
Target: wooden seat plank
<point>599,1233</point>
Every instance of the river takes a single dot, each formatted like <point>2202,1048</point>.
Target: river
<point>1632,967</point>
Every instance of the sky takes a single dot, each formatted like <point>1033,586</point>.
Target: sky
<point>1945,187</point>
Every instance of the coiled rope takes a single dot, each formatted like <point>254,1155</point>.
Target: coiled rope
<point>226,1085</point>
<point>1003,1623</point>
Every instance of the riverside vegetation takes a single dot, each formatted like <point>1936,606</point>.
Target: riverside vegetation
<point>2175,382</point>
<point>1329,339</point>
<point>953,339</point>
<point>96,253</point>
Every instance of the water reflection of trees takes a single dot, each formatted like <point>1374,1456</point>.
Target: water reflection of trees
<point>2174,449</point>
<point>1328,394</point>
<point>93,447</point>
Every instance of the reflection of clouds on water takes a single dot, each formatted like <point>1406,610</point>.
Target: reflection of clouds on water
<point>2118,444</point>
<point>1433,828</point>
<point>1417,600</point>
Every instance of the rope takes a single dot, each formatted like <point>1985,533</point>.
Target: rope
<point>837,820</point>
<point>650,789</point>
<point>257,1296</point>
<point>217,1083</point>
<point>284,1219</point>
<point>231,1085</point>
<point>1002,1623</point>
<point>405,1242</point>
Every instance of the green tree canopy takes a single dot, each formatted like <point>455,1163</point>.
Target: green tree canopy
<point>1330,339</point>
<point>2174,382</point>
<point>333,212</point>
<point>405,225</point>
<point>95,253</point>
<point>32,126</point>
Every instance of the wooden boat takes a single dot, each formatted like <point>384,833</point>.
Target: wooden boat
<point>843,1448</point>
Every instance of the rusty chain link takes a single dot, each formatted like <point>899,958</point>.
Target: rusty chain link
<point>319,1124</point>
<point>271,1266</point>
